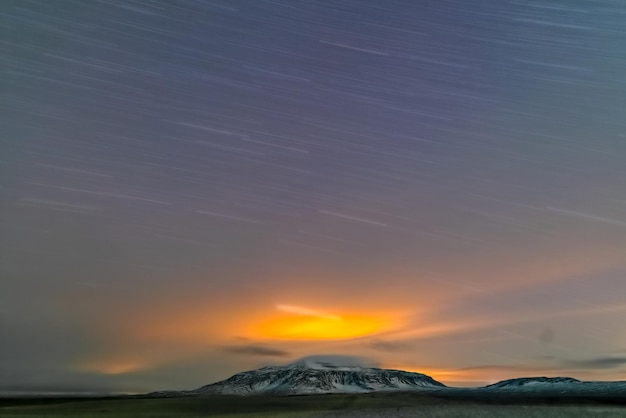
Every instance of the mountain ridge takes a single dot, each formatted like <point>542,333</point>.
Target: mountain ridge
<point>315,376</point>
<point>318,377</point>
<point>525,381</point>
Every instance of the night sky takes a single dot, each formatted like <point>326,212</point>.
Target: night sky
<point>191,189</point>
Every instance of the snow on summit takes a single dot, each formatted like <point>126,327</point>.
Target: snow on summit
<point>316,375</point>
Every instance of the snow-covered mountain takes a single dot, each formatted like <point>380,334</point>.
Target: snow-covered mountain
<point>533,383</point>
<point>311,377</point>
<point>332,374</point>
<point>561,386</point>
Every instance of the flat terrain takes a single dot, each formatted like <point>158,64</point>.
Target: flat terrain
<point>315,406</point>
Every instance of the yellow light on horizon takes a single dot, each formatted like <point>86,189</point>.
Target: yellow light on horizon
<point>298,323</point>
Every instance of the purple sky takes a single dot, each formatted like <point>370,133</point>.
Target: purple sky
<point>189,189</point>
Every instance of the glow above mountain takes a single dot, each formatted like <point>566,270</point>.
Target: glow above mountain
<point>299,323</point>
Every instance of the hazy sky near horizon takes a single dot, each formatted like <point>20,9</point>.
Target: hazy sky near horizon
<point>190,189</point>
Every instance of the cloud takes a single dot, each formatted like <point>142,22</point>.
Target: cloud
<point>599,362</point>
<point>547,335</point>
<point>299,310</point>
<point>549,367</point>
<point>392,346</point>
<point>339,360</point>
<point>506,367</point>
<point>255,350</point>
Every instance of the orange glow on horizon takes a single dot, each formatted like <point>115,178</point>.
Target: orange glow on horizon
<point>449,377</point>
<point>113,367</point>
<point>298,323</point>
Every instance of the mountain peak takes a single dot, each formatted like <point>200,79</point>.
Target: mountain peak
<point>314,375</point>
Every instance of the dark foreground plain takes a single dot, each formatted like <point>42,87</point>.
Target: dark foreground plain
<point>317,406</point>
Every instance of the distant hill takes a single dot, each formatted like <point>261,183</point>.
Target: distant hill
<point>533,382</point>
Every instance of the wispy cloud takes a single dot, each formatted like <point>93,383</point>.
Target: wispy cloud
<point>599,362</point>
<point>255,350</point>
<point>390,346</point>
<point>300,310</point>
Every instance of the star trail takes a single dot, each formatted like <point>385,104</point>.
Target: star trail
<point>189,189</point>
